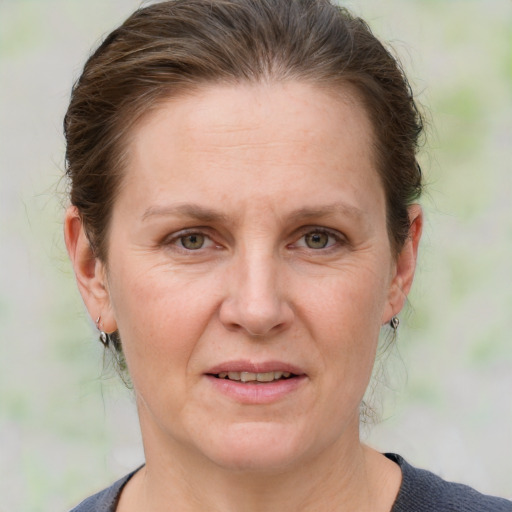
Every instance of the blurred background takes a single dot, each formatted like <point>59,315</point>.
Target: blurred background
<point>67,428</point>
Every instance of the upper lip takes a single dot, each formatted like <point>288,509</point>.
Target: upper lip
<point>254,367</point>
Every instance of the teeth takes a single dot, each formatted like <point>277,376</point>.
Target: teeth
<point>252,377</point>
<point>265,377</point>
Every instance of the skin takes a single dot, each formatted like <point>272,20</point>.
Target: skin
<point>258,173</point>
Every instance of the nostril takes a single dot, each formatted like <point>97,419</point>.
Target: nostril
<point>258,325</point>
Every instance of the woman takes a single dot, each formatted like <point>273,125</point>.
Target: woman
<point>243,225</point>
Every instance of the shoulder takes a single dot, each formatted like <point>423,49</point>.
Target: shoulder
<point>422,491</point>
<point>106,500</point>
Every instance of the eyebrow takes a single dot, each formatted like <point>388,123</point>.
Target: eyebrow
<point>190,210</point>
<point>345,209</point>
<point>203,214</point>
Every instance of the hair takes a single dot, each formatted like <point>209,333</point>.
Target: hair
<point>174,47</point>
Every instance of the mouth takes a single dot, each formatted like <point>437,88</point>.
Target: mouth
<point>256,383</point>
<point>257,378</point>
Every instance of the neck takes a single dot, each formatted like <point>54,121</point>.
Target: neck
<point>345,476</point>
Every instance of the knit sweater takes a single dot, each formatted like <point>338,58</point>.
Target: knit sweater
<point>420,491</point>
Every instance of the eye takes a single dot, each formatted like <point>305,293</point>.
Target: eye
<point>196,241</point>
<point>318,239</point>
<point>187,241</point>
<point>192,241</point>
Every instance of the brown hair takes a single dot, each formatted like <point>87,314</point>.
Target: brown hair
<point>176,46</point>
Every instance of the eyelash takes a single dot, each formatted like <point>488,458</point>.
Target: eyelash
<point>176,240</point>
<point>338,239</point>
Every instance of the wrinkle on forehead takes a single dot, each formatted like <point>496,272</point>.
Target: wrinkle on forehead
<point>264,142</point>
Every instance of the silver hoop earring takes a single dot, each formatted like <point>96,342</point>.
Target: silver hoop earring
<point>394,323</point>
<point>104,336</point>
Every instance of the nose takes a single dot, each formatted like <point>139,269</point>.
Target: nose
<point>256,302</point>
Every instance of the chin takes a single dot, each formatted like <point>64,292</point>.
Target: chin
<point>256,447</point>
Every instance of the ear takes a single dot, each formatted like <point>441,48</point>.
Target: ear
<point>405,266</point>
<point>90,272</point>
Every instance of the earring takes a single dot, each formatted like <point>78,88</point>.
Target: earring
<point>394,323</point>
<point>104,336</point>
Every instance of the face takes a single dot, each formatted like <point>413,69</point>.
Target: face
<point>250,272</point>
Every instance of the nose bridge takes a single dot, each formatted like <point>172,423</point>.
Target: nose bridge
<point>255,302</point>
<point>259,281</point>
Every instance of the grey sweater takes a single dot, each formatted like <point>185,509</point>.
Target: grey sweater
<point>421,491</point>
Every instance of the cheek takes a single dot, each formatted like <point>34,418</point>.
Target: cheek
<point>343,315</point>
<point>161,318</point>
<point>349,303</point>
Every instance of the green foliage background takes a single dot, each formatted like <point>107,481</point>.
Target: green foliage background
<point>66,430</point>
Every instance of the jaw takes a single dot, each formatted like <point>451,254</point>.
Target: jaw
<point>247,438</point>
<point>257,465</point>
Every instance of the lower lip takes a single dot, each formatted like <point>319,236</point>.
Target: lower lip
<point>256,393</point>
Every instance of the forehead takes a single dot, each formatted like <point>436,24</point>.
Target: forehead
<point>254,139</point>
<point>264,109</point>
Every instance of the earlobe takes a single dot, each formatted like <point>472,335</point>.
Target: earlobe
<point>405,265</point>
<point>89,271</point>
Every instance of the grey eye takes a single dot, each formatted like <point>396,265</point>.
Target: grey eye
<point>192,241</point>
<point>317,240</point>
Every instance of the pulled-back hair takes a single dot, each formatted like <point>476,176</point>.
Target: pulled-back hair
<point>175,47</point>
